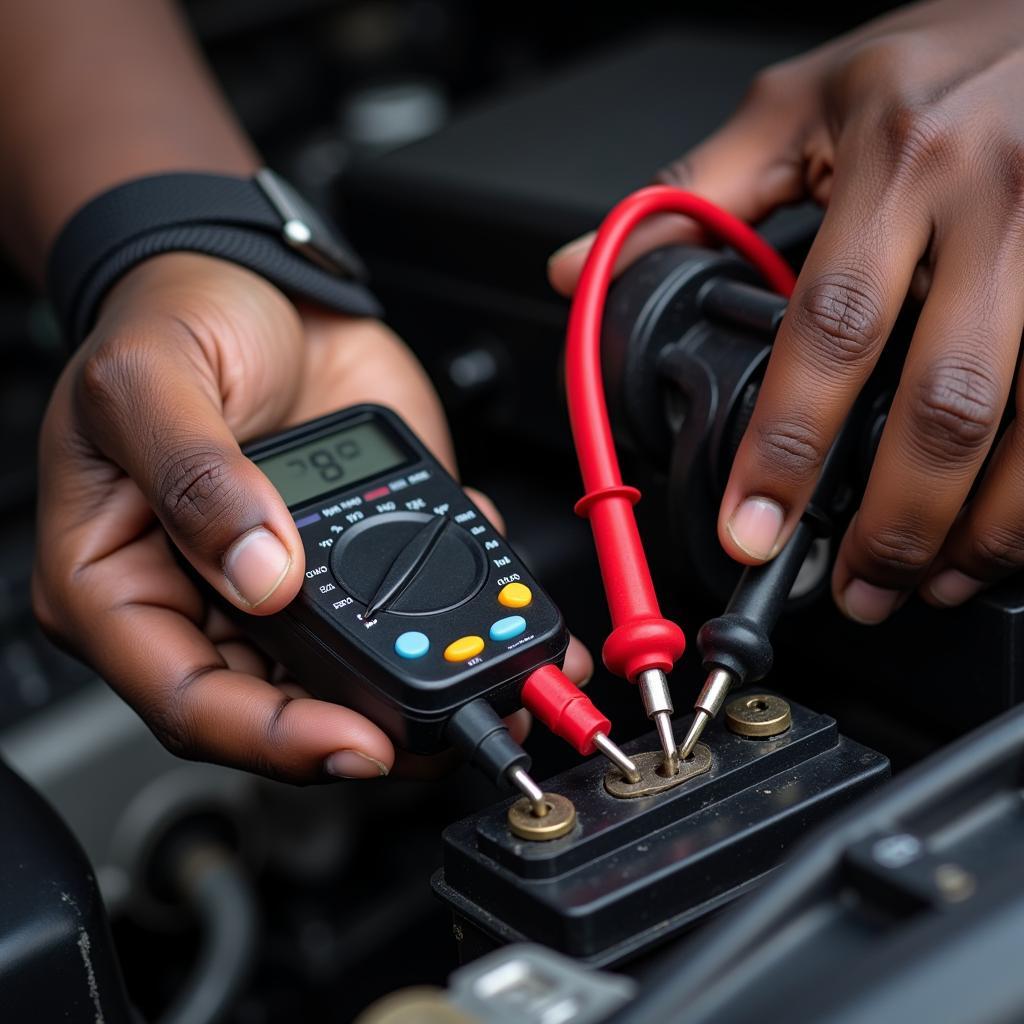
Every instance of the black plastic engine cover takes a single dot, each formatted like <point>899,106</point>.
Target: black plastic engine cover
<point>57,959</point>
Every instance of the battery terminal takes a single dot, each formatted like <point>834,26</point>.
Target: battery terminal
<point>758,716</point>
<point>557,817</point>
<point>654,778</point>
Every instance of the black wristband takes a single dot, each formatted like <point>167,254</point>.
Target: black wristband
<point>260,223</point>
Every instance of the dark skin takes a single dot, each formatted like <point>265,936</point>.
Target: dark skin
<point>910,131</point>
<point>190,356</point>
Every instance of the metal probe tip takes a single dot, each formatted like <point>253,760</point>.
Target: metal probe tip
<point>653,685</point>
<point>700,720</point>
<point>663,721</point>
<point>629,770</point>
<point>520,778</point>
<point>709,703</point>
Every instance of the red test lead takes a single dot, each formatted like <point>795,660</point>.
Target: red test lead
<point>643,645</point>
<point>550,695</point>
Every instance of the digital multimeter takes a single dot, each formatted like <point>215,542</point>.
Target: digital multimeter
<point>413,605</point>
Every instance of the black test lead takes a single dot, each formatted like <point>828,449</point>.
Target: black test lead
<point>737,646</point>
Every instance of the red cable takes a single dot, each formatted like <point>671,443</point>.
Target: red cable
<point>641,638</point>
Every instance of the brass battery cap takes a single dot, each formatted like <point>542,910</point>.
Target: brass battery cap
<point>758,715</point>
<point>558,822</point>
<point>653,778</point>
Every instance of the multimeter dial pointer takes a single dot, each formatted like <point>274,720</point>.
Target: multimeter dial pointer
<point>409,563</point>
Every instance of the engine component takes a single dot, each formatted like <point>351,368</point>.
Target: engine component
<point>633,873</point>
<point>521,984</point>
<point>58,960</point>
<point>909,907</point>
<point>686,340</point>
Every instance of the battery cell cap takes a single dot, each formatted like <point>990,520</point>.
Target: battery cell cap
<point>464,648</point>
<point>515,595</point>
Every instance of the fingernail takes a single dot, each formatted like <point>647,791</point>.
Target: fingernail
<point>577,245</point>
<point>255,565</point>
<point>351,764</point>
<point>868,604</point>
<point>953,587</point>
<point>755,527</point>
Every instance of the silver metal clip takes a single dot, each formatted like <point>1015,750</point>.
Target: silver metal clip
<point>304,229</point>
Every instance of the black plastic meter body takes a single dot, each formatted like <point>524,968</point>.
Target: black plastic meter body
<point>413,604</point>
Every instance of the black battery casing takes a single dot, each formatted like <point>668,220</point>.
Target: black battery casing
<point>635,873</point>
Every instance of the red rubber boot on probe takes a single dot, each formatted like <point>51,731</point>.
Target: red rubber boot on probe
<point>570,714</point>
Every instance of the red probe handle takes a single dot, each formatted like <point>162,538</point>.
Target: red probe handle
<point>564,708</point>
<point>641,638</point>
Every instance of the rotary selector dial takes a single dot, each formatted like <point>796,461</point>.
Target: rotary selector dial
<point>408,563</point>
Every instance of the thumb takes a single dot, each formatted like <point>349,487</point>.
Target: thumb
<point>750,166</point>
<point>158,416</point>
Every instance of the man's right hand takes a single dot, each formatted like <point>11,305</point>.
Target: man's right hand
<point>911,132</point>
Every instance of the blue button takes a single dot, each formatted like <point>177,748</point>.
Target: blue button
<point>412,645</point>
<point>506,629</point>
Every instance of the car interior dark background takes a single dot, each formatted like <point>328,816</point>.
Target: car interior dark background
<point>458,144</point>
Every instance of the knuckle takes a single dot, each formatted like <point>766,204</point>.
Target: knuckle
<point>1000,547</point>
<point>1008,155</point>
<point>43,610</point>
<point>173,729</point>
<point>194,488</point>
<point>879,66</point>
<point>840,317</point>
<point>896,551</point>
<point>110,372</point>
<point>678,174</point>
<point>918,133</point>
<point>773,83</point>
<point>57,603</point>
<point>956,410</point>
<point>271,756</point>
<point>169,715</point>
<point>791,451</point>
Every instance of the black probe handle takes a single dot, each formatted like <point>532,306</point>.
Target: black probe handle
<point>476,731</point>
<point>740,639</point>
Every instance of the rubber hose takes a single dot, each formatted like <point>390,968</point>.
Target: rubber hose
<point>218,889</point>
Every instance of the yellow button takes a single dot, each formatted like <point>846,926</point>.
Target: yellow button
<point>515,595</point>
<point>464,648</point>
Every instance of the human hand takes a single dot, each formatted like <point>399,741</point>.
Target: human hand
<point>190,355</point>
<point>910,131</point>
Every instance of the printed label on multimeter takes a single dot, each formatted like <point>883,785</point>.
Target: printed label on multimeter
<point>405,578</point>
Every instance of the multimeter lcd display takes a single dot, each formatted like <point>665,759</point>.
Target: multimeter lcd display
<point>332,462</point>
